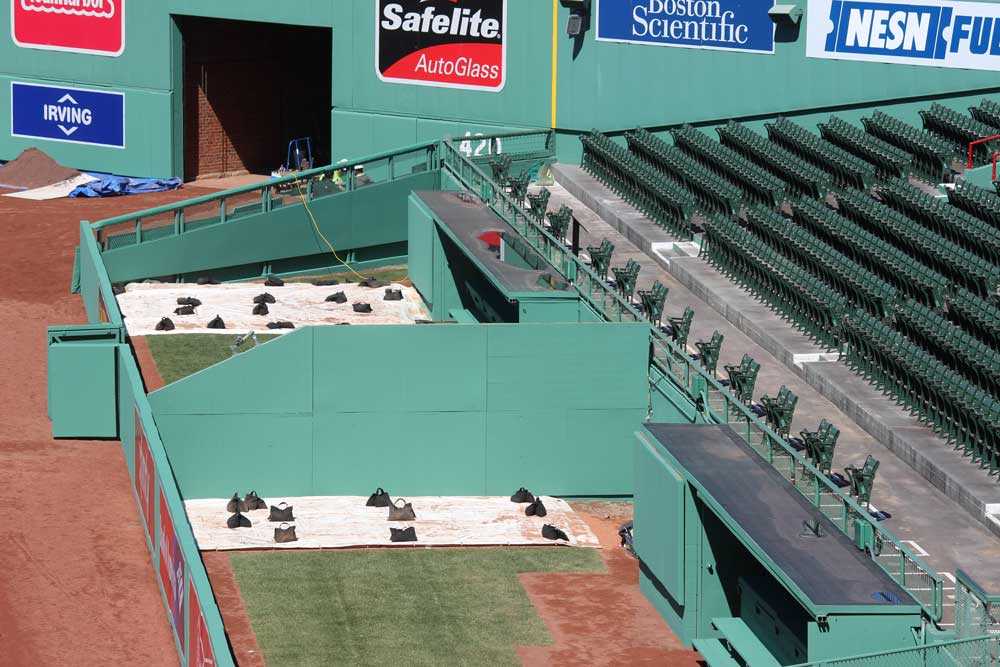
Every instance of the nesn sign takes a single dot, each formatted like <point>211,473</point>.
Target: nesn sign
<point>941,34</point>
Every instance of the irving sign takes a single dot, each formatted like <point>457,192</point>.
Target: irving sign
<point>447,43</point>
<point>731,25</point>
<point>936,33</point>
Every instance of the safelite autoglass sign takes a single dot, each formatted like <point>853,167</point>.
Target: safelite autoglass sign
<point>445,43</point>
<point>78,26</point>
<point>935,33</point>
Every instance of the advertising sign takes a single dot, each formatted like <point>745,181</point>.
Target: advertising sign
<point>200,650</point>
<point>78,26</point>
<point>73,115</point>
<point>445,43</point>
<point>171,568</point>
<point>934,33</point>
<point>144,472</point>
<point>729,25</point>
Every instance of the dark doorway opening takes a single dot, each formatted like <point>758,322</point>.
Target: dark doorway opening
<point>249,88</point>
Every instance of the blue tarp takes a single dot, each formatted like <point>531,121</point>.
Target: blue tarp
<point>116,186</point>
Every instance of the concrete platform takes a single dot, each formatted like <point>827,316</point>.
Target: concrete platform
<point>935,523</point>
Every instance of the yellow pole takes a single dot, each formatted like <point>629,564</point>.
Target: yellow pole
<point>555,58</point>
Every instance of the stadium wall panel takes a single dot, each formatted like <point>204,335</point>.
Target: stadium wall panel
<point>457,409</point>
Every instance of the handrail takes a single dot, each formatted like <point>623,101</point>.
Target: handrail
<point>270,183</point>
<point>573,269</point>
<point>986,639</point>
<point>974,587</point>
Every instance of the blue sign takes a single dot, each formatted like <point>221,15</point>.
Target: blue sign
<point>92,117</point>
<point>731,25</point>
<point>939,33</point>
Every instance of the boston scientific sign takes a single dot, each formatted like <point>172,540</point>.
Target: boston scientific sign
<point>732,25</point>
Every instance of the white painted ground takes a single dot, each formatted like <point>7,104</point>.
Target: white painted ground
<point>144,304</point>
<point>330,522</point>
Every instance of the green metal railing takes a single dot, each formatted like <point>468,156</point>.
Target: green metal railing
<point>229,205</point>
<point>972,652</point>
<point>670,362</point>
<point>976,611</point>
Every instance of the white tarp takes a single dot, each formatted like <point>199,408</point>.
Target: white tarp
<point>330,522</point>
<point>143,305</point>
<point>54,191</point>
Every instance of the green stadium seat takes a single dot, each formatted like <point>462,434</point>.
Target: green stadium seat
<point>539,203</point>
<point>862,479</point>
<point>626,277</point>
<point>846,169</point>
<point>559,221</point>
<point>709,352</point>
<point>600,258</point>
<point>653,301</point>
<point>930,155</point>
<point>780,410</point>
<point>961,130</point>
<point>802,177</point>
<point>977,201</point>
<point>680,327</point>
<point>743,378</point>
<point>888,160</point>
<point>987,112</point>
<point>820,445</point>
<point>500,166</point>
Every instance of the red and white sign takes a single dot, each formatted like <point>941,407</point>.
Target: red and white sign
<point>200,650</point>
<point>144,475</point>
<point>172,569</point>
<point>78,26</point>
<point>445,43</point>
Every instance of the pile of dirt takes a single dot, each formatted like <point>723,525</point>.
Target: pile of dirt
<point>34,169</point>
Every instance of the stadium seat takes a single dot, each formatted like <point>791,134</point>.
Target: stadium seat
<point>559,221</point>
<point>680,327</point>
<point>714,195</point>
<point>758,185</point>
<point>709,352</point>
<point>665,201</point>
<point>500,166</point>
<point>978,316</point>
<point>987,112</point>
<point>820,445</point>
<point>862,479</point>
<point>930,155</point>
<point>961,130</point>
<point>539,203</point>
<point>653,301</point>
<point>779,410</point>
<point>802,178</point>
<point>518,186</point>
<point>888,160</point>
<point>977,201</point>
<point>600,258</point>
<point>846,169</point>
<point>743,378</point>
<point>626,277</point>
<point>873,253</point>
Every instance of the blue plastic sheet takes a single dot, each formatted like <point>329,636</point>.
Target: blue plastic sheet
<point>117,186</point>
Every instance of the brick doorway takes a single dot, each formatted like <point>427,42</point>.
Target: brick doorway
<point>249,88</point>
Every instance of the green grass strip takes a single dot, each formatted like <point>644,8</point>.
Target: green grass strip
<point>180,355</point>
<point>398,606</point>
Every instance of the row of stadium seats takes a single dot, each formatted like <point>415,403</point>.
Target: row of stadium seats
<point>959,265</point>
<point>714,195</point>
<point>889,262</point>
<point>978,201</point>
<point>931,154</point>
<point>946,401</point>
<point>961,130</point>
<point>951,344</point>
<point>888,160</point>
<point>860,286</point>
<point>937,215</point>
<point>759,186</point>
<point>667,204</point>
<point>987,112</point>
<point>802,177</point>
<point>807,302</point>
<point>846,169</point>
<point>979,317</point>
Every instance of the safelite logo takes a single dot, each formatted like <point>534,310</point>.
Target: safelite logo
<point>445,43</point>
<point>78,26</point>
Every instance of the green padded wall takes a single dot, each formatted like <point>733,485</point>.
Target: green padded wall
<point>450,409</point>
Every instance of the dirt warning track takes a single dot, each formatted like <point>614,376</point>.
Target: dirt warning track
<point>78,587</point>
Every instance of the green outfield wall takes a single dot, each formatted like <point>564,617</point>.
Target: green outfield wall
<point>462,409</point>
<point>550,80</point>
